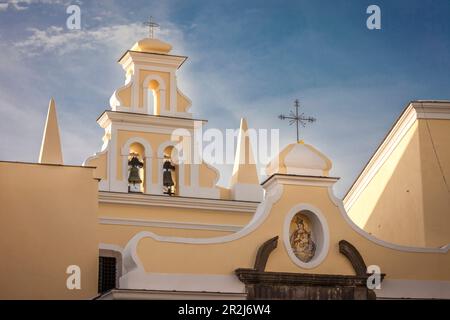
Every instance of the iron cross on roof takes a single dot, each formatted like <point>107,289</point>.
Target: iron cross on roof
<point>295,117</point>
<point>151,26</point>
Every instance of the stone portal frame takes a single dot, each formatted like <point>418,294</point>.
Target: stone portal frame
<point>261,284</point>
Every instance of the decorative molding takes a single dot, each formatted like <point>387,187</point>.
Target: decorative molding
<point>302,180</point>
<point>250,276</point>
<point>133,263</point>
<point>353,255</point>
<point>264,252</point>
<point>178,202</point>
<point>136,57</point>
<point>169,224</point>
<point>132,294</point>
<point>340,205</point>
<point>158,121</point>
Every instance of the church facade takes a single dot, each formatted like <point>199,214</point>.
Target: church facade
<point>141,219</point>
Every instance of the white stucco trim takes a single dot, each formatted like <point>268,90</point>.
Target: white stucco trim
<point>153,200</point>
<point>322,237</point>
<point>140,120</point>
<point>132,294</point>
<point>169,224</point>
<point>139,279</point>
<point>300,180</point>
<point>135,90</point>
<point>131,258</point>
<point>142,61</point>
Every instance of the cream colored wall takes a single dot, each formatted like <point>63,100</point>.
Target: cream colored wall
<point>47,222</point>
<point>224,258</point>
<point>120,235</point>
<point>188,215</point>
<point>407,201</point>
<point>436,194</point>
<point>391,205</point>
<point>100,163</point>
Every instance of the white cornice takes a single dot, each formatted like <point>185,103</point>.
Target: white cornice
<point>169,224</point>
<point>178,202</point>
<point>128,118</point>
<point>415,110</point>
<point>130,294</point>
<point>291,179</point>
<point>136,57</point>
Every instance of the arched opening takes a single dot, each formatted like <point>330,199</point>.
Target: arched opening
<point>136,168</point>
<point>170,171</point>
<point>154,97</point>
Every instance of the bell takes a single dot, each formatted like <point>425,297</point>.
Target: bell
<point>167,174</point>
<point>135,164</point>
<point>134,177</point>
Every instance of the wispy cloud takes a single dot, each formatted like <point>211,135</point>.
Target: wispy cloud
<point>20,5</point>
<point>60,41</point>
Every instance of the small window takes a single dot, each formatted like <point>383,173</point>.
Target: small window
<point>107,274</point>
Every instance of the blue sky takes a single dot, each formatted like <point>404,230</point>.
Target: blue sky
<point>246,59</point>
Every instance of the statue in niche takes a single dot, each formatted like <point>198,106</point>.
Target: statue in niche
<point>134,179</point>
<point>301,241</point>
<point>168,183</point>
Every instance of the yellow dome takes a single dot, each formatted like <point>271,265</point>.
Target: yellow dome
<point>151,45</point>
<point>301,159</point>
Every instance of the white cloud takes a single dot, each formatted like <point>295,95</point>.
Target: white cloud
<point>60,41</point>
<point>21,5</point>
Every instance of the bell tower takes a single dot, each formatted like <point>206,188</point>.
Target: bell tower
<point>150,81</point>
<point>145,113</point>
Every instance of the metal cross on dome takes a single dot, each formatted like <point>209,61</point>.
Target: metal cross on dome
<point>295,117</point>
<point>151,27</point>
